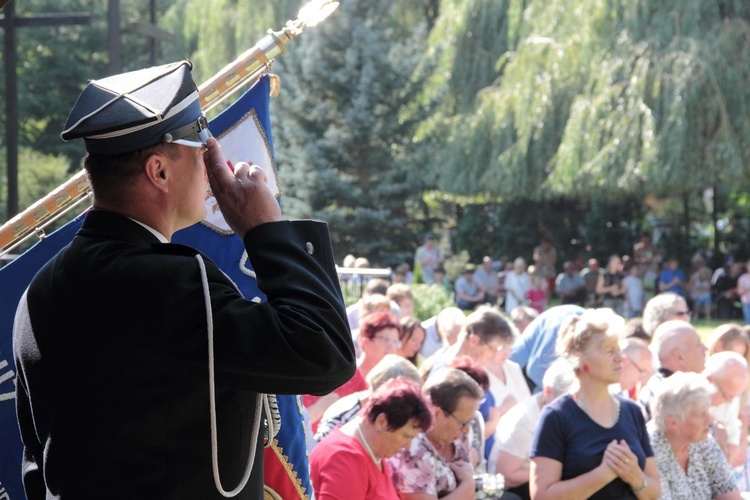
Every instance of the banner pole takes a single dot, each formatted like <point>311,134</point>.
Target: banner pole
<point>246,70</point>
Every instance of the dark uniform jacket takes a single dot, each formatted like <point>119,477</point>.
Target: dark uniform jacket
<point>111,347</point>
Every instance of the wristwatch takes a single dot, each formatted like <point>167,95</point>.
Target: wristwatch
<point>643,486</point>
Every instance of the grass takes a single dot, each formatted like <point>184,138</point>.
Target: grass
<point>705,327</point>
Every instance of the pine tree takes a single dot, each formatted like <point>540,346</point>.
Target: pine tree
<point>340,133</point>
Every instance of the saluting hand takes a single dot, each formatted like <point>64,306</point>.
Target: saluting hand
<point>243,195</point>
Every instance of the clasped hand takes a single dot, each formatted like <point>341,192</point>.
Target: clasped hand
<point>623,462</point>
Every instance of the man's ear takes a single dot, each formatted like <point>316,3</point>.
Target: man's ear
<point>157,170</point>
<point>625,360</point>
<point>678,354</point>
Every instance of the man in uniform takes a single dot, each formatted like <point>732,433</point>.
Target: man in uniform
<point>169,361</point>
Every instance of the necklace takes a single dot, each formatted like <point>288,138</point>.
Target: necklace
<point>367,445</point>
<point>580,402</point>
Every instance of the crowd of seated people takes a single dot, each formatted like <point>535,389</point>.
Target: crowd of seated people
<point>623,283</point>
<point>577,401</point>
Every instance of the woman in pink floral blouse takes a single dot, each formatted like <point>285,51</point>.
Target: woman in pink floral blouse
<point>437,463</point>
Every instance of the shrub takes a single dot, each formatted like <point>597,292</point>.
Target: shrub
<point>430,300</point>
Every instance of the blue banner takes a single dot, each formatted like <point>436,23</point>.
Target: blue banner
<point>14,278</point>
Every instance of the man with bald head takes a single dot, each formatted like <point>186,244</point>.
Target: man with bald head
<point>727,373</point>
<point>677,348</point>
<point>637,366</point>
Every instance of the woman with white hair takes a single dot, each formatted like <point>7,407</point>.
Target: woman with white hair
<point>591,443</point>
<point>691,465</point>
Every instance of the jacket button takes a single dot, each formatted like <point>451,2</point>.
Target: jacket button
<point>310,248</point>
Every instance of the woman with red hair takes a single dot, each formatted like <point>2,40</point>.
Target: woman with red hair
<point>348,463</point>
<point>379,335</point>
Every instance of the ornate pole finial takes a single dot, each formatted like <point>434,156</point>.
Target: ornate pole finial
<point>257,60</point>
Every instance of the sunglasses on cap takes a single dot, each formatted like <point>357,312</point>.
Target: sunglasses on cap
<point>194,134</point>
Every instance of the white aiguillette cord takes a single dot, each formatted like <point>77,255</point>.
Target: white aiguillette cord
<point>261,399</point>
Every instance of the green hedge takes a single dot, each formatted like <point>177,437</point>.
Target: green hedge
<point>430,300</point>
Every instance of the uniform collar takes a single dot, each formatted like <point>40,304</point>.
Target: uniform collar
<point>103,223</point>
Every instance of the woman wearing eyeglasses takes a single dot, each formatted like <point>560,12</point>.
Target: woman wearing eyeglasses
<point>437,463</point>
<point>378,335</point>
<point>591,443</point>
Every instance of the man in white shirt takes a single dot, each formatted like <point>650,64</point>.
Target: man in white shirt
<point>515,430</point>
<point>442,330</point>
<point>486,277</point>
<point>727,373</point>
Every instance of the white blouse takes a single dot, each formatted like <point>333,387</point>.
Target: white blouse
<point>515,383</point>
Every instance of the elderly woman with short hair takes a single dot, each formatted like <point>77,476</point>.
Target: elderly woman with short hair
<point>691,465</point>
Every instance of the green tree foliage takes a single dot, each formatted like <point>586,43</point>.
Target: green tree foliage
<point>611,226</point>
<point>54,63</point>
<point>429,300</point>
<point>43,174</point>
<point>460,61</point>
<point>578,229</point>
<point>670,112</point>
<point>558,117</point>
<point>341,137</point>
<point>216,32</point>
<point>464,46</point>
<point>602,100</point>
<point>603,97</point>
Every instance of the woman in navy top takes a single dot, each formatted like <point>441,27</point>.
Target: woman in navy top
<point>590,443</point>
